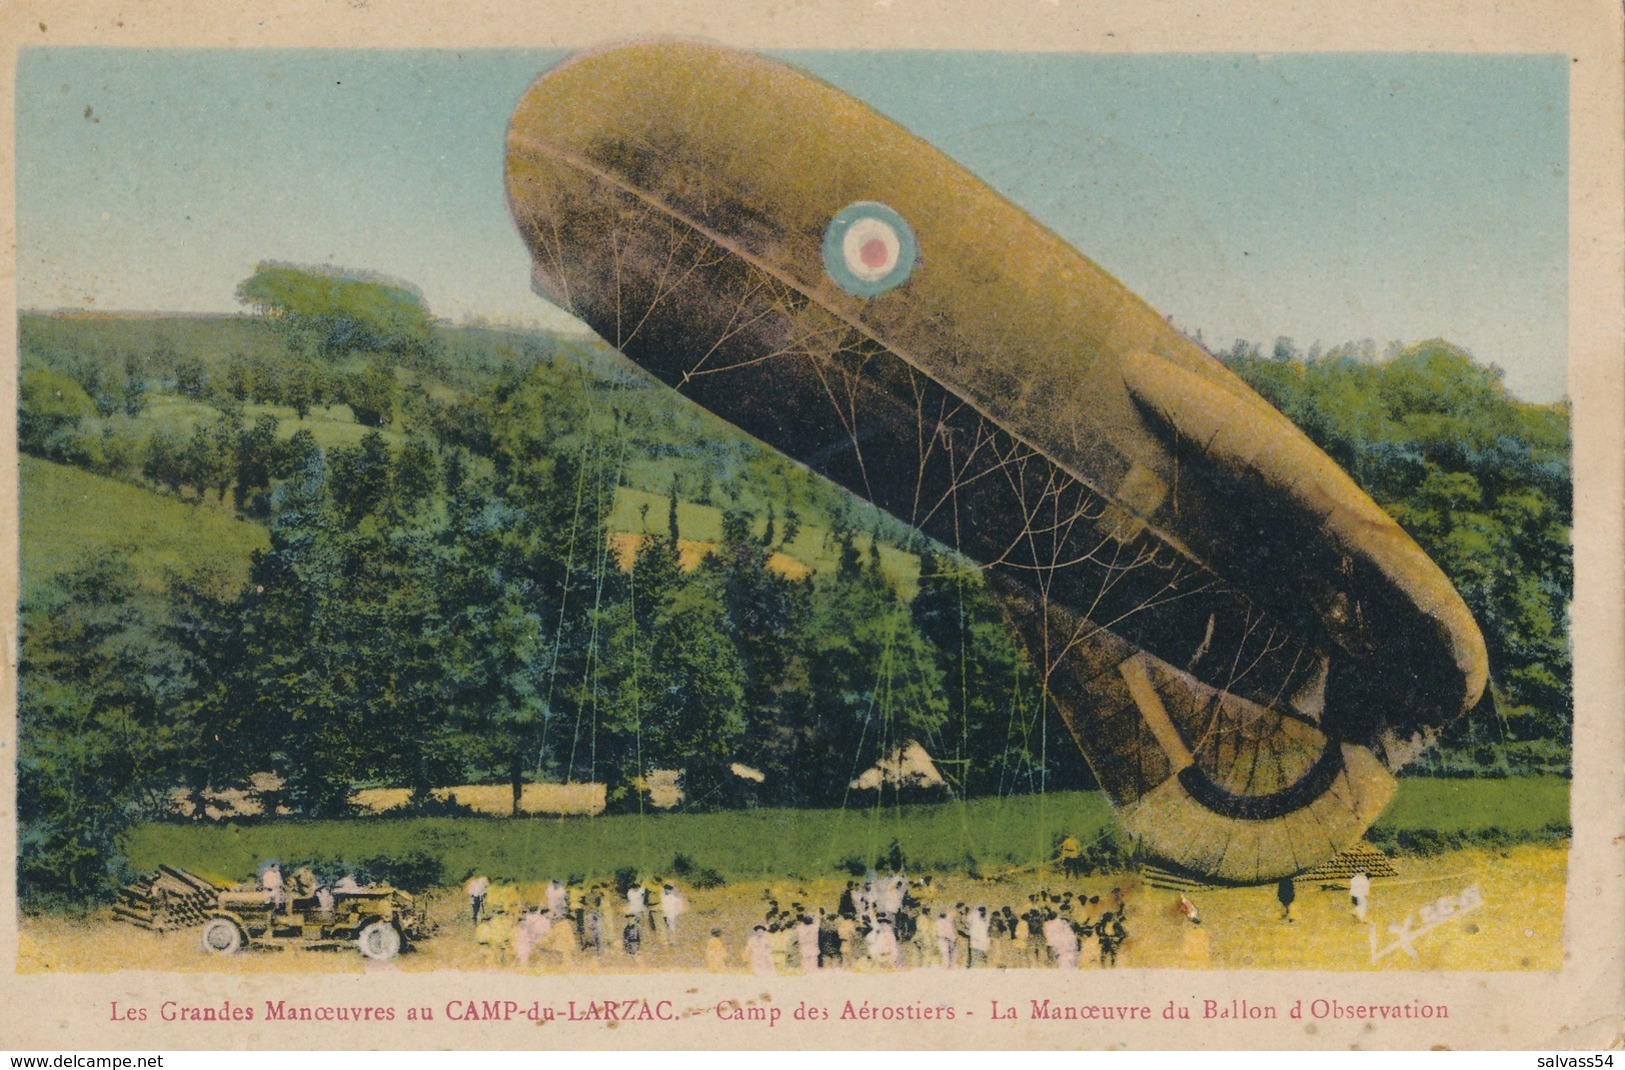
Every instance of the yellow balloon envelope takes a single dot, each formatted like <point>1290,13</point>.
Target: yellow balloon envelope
<point>1242,643</point>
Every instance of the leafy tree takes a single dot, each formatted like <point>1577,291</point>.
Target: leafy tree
<point>290,674</point>
<point>206,460</point>
<point>360,478</point>
<point>96,741</point>
<point>255,458</point>
<point>219,740</point>
<point>135,385</point>
<point>164,461</point>
<point>767,617</point>
<point>876,684</point>
<point>48,404</point>
<point>191,376</point>
<point>295,455</point>
<point>1482,481</point>
<point>332,312</point>
<point>416,475</point>
<point>987,738</point>
<point>493,649</point>
<point>697,687</point>
<point>371,395</point>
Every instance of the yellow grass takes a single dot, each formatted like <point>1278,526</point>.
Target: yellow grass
<point>494,799</point>
<point>663,788</point>
<point>624,547</point>
<point>1519,926</point>
<point>691,553</point>
<point>788,567</point>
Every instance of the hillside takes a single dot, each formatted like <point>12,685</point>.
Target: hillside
<point>68,515</point>
<point>147,375</point>
<point>495,557</point>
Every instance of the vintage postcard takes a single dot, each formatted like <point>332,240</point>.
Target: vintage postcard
<point>1017,526</point>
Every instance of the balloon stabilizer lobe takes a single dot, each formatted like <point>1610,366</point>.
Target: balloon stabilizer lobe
<point>1241,642</point>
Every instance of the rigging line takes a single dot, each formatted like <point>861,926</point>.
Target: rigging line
<point>925,445</point>
<point>1056,564</point>
<point>1250,624</point>
<point>1300,652</point>
<point>868,716</point>
<point>964,681</point>
<point>921,449</point>
<point>677,245</point>
<point>848,425</point>
<point>733,327</point>
<point>589,660</point>
<point>1008,776</point>
<point>1270,645</point>
<point>637,717</point>
<point>889,721</point>
<point>1016,480</point>
<point>592,667</point>
<point>1277,753</point>
<point>1009,735</point>
<point>958,480</point>
<point>1087,629</point>
<point>615,254</point>
<point>1327,834</point>
<point>553,247</point>
<point>564,597</point>
<point>796,347</point>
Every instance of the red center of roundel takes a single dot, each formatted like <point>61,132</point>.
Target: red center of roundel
<point>873,253</point>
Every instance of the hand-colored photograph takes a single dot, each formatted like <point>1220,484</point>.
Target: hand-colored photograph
<point>667,508</point>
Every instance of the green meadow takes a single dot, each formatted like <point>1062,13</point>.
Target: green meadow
<point>981,836</point>
<point>68,515</point>
<point>640,512</point>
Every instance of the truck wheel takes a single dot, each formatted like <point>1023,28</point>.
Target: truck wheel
<point>222,936</point>
<point>379,941</point>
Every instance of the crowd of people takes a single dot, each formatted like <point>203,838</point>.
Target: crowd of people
<point>879,923</point>
<point>893,922</point>
<point>596,919</point>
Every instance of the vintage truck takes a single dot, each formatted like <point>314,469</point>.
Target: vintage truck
<point>377,920</point>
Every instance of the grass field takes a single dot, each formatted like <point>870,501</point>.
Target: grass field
<point>329,425</point>
<point>739,845</point>
<point>1517,808</point>
<point>1518,927</point>
<point>68,514</point>
<point>991,852</point>
<point>980,836</point>
<point>638,512</point>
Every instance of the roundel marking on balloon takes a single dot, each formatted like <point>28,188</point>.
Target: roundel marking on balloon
<point>869,249</point>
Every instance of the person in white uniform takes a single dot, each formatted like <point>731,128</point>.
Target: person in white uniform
<point>976,928</point>
<point>1360,894</point>
<point>807,942</point>
<point>673,904</point>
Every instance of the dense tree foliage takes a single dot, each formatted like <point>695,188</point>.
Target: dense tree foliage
<point>331,312</point>
<point>95,713</point>
<point>442,601</point>
<point>1482,481</point>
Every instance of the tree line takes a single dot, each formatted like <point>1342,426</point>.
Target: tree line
<point>447,610</point>
<point>443,606</point>
<point>1483,482</point>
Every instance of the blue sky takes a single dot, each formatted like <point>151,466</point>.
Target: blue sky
<point>1322,197</point>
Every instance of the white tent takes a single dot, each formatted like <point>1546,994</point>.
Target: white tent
<point>909,766</point>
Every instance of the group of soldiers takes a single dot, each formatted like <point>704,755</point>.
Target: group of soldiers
<point>879,923</point>
<point>304,883</point>
<point>565,921</point>
<point>887,923</point>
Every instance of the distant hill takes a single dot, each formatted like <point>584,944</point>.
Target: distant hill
<point>152,373</point>
<point>68,514</point>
